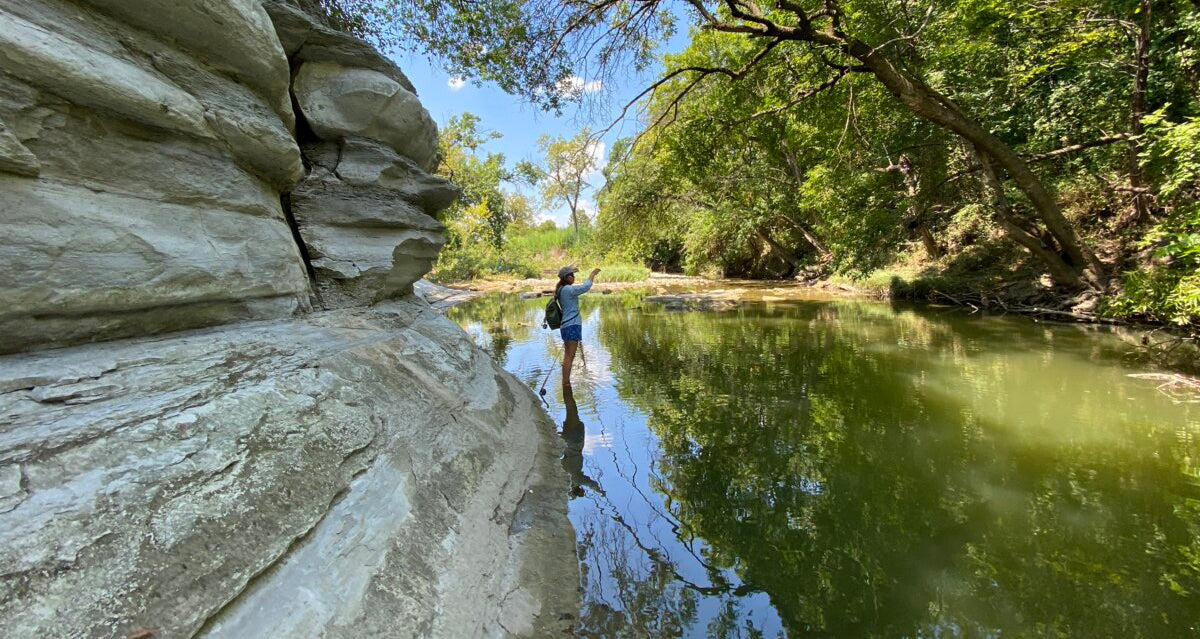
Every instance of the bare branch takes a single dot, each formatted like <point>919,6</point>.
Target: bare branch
<point>798,97</point>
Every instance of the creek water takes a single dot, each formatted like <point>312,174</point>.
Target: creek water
<point>834,468</point>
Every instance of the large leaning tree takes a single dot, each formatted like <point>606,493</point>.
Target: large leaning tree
<point>530,47</point>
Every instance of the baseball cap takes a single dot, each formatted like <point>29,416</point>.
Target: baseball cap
<point>566,270</point>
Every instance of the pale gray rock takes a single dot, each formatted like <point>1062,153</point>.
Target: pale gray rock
<point>82,147</point>
<point>73,70</point>
<point>325,200</point>
<point>306,38</point>
<point>103,265</point>
<point>260,144</point>
<point>365,215</point>
<point>341,102</point>
<point>357,473</point>
<point>14,156</point>
<point>364,265</point>
<point>367,163</point>
<point>229,116</point>
<point>157,203</point>
<point>234,36</point>
<point>12,493</point>
<point>360,472</point>
<point>441,297</point>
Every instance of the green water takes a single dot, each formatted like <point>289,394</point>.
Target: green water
<point>852,469</point>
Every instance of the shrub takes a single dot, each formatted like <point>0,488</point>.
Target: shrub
<point>1169,290</point>
<point>624,273</point>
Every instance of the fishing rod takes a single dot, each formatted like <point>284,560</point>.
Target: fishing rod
<point>542,391</point>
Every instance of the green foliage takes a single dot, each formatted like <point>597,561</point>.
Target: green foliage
<point>1169,289</point>
<point>478,224</point>
<point>762,162</point>
<point>724,162</point>
<point>477,261</point>
<point>549,242</point>
<point>564,178</point>
<point>484,211</point>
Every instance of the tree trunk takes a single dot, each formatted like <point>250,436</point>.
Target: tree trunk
<point>1140,209</point>
<point>928,104</point>
<point>804,228</point>
<point>812,237</point>
<point>574,204</point>
<point>782,251</point>
<point>916,215</point>
<point>1063,273</point>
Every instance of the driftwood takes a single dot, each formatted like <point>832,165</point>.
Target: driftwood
<point>993,300</point>
<point>1180,388</point>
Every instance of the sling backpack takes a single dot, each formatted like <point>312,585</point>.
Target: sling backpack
<point>554,313</point>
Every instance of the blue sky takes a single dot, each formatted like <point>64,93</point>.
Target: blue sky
<point>521,124</point>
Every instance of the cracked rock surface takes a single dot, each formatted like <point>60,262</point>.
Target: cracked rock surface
<point>360,472</point>
<point>223,412</point>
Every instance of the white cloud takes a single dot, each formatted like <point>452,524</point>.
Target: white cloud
<point>575,86</point>
<point>456,83</point>
<point>561,217</point>
<point>596,149</point>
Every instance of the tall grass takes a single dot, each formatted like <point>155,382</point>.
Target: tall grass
<point>534,253</point>
<point>544,242</point>
<point>623,273</point>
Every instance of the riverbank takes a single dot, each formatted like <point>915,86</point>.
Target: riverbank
<point>1166,345</point>
<point>656,284</point>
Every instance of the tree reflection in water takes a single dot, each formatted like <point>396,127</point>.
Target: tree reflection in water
<point>862,470</point>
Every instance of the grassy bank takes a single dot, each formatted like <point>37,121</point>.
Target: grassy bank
<point>534,253</point>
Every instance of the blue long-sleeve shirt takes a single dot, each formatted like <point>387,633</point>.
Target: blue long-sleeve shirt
<point>568,296</point>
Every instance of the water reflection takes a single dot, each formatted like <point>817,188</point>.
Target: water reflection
<point>574,433</point>
<point>854,469</point>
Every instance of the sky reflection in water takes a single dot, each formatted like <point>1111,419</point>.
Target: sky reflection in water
<point>851,469</point>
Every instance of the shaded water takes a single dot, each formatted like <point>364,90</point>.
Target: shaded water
<point>854,469</point>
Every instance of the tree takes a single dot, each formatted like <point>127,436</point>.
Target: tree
<point>568,163</point>
<point>1014,109</point>
<point>888,41</point>
<point>485,210</point>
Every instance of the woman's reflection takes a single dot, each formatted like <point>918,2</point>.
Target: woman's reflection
<point>573,432</point>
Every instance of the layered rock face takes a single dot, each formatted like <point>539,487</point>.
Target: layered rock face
<point>318,453</point>
<point>365,210</point>
<point>144,151</point>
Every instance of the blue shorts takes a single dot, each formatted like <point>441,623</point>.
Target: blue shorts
<point>573,333</point>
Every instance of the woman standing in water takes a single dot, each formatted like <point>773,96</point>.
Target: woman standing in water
<point>568,293</point>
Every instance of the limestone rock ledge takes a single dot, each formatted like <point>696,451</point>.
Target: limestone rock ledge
<point>352,473</point>
<point>144,147</point>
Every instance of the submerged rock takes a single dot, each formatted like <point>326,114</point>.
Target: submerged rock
<point>693,301</point>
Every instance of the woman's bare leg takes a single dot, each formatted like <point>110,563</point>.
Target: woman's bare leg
<point>568,359</point>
